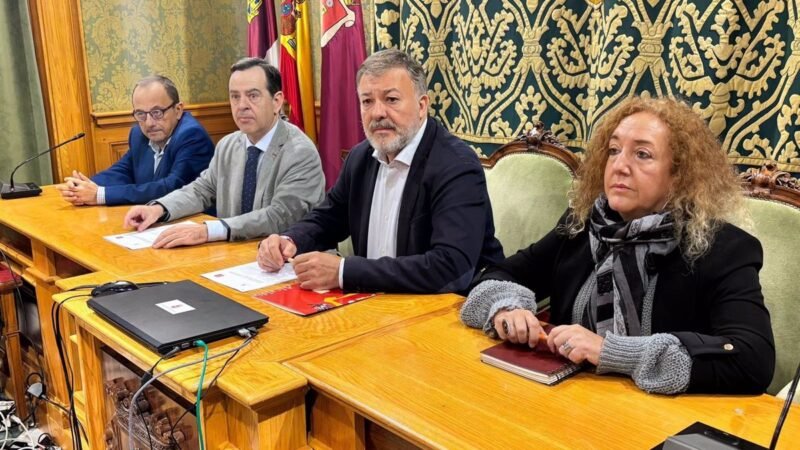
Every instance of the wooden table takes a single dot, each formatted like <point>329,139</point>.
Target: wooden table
<point>48,239</point>
<point>424,385</point>
<point>52,238</point>
<point>260,402</point>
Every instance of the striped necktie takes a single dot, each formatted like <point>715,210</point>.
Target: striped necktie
<point>250,179</point>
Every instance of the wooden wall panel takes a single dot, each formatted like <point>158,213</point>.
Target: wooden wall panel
<point>60,55</point>
<point>111,130</point>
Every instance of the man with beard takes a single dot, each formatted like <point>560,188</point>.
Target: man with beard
<point>412,197</point>
<point>262,178</point>
<point>167,149</point>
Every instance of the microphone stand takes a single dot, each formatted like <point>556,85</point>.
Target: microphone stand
<point>11,190</point>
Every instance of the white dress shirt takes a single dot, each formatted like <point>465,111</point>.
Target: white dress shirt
<point>158,153</point>
<point>217,231</point>
<point>386,198</point>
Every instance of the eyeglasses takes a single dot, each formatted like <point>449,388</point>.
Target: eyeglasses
<point>155,113</point>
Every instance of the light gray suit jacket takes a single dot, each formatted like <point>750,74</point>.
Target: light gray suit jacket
<point>290,183</point>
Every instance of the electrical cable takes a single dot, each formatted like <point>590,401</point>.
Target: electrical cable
<point>250,337</point>
<point>61,407</point>
<point>24,428</point>
<point>210,385</point>
<point>66,367</point>
<point>147,375</point>
<point>156,377</point>
<point>197,404</point>
<point>6,425</point>
<point>175,424</point>
<point>146,428</point>
<point>55,315</point>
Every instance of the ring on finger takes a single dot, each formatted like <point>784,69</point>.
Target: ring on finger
<point>566,348</point>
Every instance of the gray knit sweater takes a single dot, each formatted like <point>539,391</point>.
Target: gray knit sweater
<point>658,363</point>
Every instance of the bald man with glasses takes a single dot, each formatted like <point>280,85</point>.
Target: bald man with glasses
<point>168,148</point>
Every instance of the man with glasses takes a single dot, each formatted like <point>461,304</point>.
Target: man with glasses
<point>262,178</point>
<point>167,149</point>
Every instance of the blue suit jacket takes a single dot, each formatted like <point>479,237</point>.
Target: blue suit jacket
<point>445,230</point>
<point>131,179</point>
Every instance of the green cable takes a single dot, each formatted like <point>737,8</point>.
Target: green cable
<point>199,417</point>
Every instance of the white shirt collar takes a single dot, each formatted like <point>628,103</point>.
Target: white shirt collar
<point>406,154</point>
<point>263,143</point>
<point>155,148</point>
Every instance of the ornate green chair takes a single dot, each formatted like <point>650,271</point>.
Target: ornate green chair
<point>774,205</point>
<point>528,180</point>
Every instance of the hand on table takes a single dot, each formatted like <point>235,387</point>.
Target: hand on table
<point>274,251</point>
<point>78,189</point>
<point>181,235</point>
<point>317,270</point>
<point>141,217</point>
<point>576,343</point>
<point>519,326</point>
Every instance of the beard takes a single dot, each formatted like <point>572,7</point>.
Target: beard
<point>390,146</point>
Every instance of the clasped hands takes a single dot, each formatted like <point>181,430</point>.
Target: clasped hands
<point>574,342</point>
<point>78,190</point>
<point>314,270</point>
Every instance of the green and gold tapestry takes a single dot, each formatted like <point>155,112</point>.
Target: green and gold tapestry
<point>496,67</point>
<point>192,42</point>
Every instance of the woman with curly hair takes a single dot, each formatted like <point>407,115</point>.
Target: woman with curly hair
<point>645,273</point>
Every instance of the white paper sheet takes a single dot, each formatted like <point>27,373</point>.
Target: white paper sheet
<point>248,277</point>
<point>136,240</point>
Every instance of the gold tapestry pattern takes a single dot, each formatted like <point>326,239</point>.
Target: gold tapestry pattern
<point>496,67</point>
<point>192,42</point>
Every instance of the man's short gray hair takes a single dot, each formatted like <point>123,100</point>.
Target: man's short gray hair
<point>169,86</point>
<point>380,62</point>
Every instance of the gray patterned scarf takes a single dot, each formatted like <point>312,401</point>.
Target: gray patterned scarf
<point>624,254</point>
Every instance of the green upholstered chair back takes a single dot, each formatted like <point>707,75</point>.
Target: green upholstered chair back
<point>345,248</point>
<point>774,205</point>
<point>528,180</point>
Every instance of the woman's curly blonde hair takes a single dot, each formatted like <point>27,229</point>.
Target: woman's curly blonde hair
<point>705,192</point>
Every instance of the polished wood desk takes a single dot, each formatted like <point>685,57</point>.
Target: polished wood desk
<point>259,403</point>
<point>47,239</point>
<point>54,239</point>
<point>424,385</point>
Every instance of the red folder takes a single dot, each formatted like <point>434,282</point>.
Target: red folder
<point>300,301</point>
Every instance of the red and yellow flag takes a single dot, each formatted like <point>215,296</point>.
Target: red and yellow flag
<point>296,70</point>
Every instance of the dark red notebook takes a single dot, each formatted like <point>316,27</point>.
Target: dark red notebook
<point>537,364</point>
<point>300,301</point>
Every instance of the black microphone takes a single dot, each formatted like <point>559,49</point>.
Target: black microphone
<point>700,435</point>
<point>10,190</point>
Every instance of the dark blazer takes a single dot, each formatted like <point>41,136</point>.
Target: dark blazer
<point>717,302</point>
<point>131,179</point>
<point>445,229</point>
